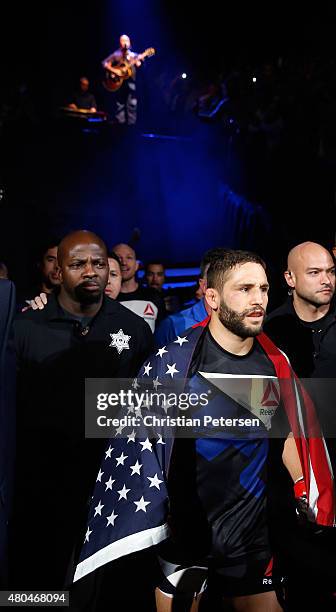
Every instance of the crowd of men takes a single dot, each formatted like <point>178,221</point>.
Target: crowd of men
<point>232,520</point>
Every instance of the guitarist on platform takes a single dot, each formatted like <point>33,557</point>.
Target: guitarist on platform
<point>125,95</point>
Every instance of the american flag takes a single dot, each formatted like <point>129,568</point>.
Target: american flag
<point>128,509</point>
<point>129,506</point>
<point>310,443</point>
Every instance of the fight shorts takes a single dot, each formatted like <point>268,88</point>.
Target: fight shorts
<point>248,576</point>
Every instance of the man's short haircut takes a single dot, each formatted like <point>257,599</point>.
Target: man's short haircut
<point>154,262</point>
<point>219,267</point>
<point>3,270</point>
<point>113,255</point>
<point>210,256</point>
<point>124,244</point>
<point>50,242</point>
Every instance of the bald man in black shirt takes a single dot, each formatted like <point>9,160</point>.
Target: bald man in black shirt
<point>80,333</point>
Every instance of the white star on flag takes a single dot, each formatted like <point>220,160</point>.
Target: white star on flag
<point>136,468</point>
<point>156,383</point>
<point>180,341</point>
<point>120,341</point>
<point>119,495</point>
<point>146,404</point>
<point>111,519</point>
<point>87,535</point>
<point>99,476</point>
<point>146,445</point>
<point>165,406</point>
<point>131,437</point>
<point>147,368</point>
<point>161,352</point>
<point>108,452</point>
<point>99,508</point>
<point>119,429</point>
<point>135,384</point>
<point>160,441</point>
<point>172,370</point>
<point>123,493</point>
<point>120,460</point>
<point>109,483</point>
<point>155,481</point>
<point>141,504</point>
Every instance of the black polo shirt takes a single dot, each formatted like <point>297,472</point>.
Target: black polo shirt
<point>310,347</point>
<point>51,339</point>
<point>56,465</point>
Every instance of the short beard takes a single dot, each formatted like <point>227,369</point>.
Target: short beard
<point>85,297</point>
<point>314,300</point>
<point>233,321</point>
<point>129,277</point>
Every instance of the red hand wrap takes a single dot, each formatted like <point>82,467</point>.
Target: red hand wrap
<point>300,489</point>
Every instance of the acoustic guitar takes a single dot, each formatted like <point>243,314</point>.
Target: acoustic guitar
<point>116,75</point>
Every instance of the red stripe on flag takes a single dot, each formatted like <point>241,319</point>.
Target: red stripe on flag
<point>203,323</point>
<point>310,444</point>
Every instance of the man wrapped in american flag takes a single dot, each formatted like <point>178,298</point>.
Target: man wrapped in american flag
<point>213,487</point>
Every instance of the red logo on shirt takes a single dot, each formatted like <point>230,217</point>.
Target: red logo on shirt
<point>271,395</point>
<point>148,311</point>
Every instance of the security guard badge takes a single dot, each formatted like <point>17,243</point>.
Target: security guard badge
<point>120,341</point>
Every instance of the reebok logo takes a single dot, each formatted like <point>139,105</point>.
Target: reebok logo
<point>148,312</point>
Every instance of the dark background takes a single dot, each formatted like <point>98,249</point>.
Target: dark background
<point>179,184</point>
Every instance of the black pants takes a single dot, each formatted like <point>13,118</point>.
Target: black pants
<point>119,585</point>
<point>309,561</point>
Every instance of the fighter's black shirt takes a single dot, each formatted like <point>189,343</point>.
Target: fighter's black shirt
<point>223,477</point>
